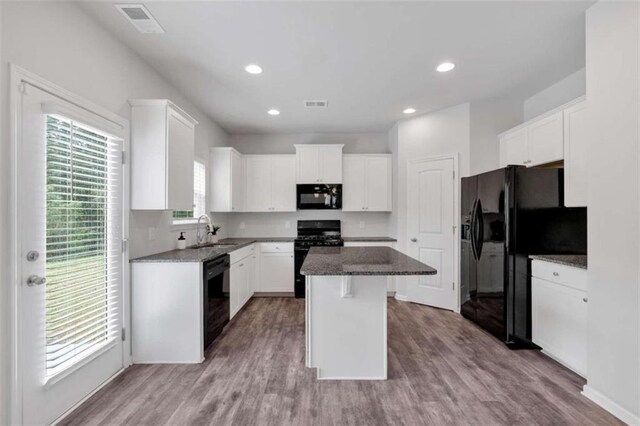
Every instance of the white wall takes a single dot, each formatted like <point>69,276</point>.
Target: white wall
<point>487,119</point>
<point>438,133</point>
<point>613,352</point>
<point>571,87</point>
<point>282,143</point>
<point>57,41</point>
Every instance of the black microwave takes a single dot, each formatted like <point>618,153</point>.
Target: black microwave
<point>319,196</point>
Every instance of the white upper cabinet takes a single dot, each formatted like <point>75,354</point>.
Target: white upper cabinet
<point>162,153</point>
<point>367,182</point>
<point>270,183</point>
<point>319,163</point>
<point>575,155</point>
<point>514,149</point>
<point>226,171</point>
<point>258,183</point>
<point>283,183</point>
<point>536,142</point>
<point>546,140</point>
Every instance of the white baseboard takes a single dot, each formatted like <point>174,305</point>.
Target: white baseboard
<point>612,407</point>
<point>401,297</point>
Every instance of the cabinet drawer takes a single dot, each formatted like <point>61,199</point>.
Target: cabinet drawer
<point>276,247</point>
<point>240,254</point>
<point>565,275</point>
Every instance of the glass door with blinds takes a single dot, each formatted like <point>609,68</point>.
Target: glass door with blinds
<point>71,191</point>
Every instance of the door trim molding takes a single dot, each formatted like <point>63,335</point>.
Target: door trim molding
<point>456,217</point>
<point>13,302</point>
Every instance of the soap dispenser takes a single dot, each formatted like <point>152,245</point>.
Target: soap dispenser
<point>182,242</point>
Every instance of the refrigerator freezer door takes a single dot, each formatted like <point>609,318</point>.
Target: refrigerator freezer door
<point>490,248</point>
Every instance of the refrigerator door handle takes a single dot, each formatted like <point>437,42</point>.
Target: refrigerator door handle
<point>472,229</point>
<point>507,215</point>
<point>480,227</point>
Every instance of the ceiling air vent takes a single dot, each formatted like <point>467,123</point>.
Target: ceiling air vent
<point>316,104</point>
<point>140,18</point>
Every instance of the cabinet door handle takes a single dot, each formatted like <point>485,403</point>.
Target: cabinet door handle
<point>414,240</point>
<point>585,300</point>
<point>555,274</point>
<point>241,265</point>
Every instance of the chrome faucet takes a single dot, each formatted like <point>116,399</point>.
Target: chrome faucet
<point>200,238</point>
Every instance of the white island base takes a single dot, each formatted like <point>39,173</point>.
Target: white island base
<point>346,326</point>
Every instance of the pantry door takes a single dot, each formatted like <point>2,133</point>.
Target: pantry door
<point>70,214</point>
<point>431,231</point>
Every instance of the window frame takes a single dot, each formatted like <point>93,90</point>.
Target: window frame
<point>189,222</point>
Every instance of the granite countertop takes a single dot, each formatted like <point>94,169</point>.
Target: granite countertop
<point>234,240</point>
<point>205,254</point>
<point>574,260</point>
<point>368,239</point>
<point>361,261</point>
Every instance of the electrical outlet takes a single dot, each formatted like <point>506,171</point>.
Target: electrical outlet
<point>152,234</point>
<point>287,225</point>
<point>242,225</point>
<point>362,224</point>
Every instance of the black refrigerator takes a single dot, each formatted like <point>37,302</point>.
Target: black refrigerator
<point>507,215</point>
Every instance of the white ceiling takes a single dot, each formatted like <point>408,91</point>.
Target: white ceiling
<point>370,60</point>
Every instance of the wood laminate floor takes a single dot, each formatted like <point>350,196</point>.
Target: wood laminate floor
<point>442,370</point>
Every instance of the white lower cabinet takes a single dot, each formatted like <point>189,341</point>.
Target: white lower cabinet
<point>241,280</point>
<point>559,313</point>
<point>276,270</point>
<point>391,283</point>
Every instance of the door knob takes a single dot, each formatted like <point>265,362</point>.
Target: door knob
<point>414,240</point>
<point>35,280</point>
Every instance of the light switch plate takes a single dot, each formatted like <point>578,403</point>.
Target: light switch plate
<point>287,225</point>
<point>152,234</point>
<point>242,225</point>
<point>362,224</point>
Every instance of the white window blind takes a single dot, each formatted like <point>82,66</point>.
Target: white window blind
<point>83,241</point>
<point>199,195</point>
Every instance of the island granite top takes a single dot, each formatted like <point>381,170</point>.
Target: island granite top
<point>361,261</point>
<point>574,260</point>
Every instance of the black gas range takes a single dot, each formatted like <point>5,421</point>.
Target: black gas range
<point>313,233</point>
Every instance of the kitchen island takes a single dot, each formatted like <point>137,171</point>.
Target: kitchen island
<point>346,309</point>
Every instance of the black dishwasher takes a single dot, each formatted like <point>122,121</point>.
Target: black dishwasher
<point>216,297</point>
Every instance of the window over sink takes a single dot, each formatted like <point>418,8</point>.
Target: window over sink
<point>181,217</point>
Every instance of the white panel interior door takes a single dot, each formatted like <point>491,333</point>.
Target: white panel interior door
<point>71,185</point>
<point>430,229</point>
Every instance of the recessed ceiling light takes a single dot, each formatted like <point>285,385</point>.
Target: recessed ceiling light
<point>409,111</point>
<point>253,69</point>
<point>445,66</point>
<point>273,112</point>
